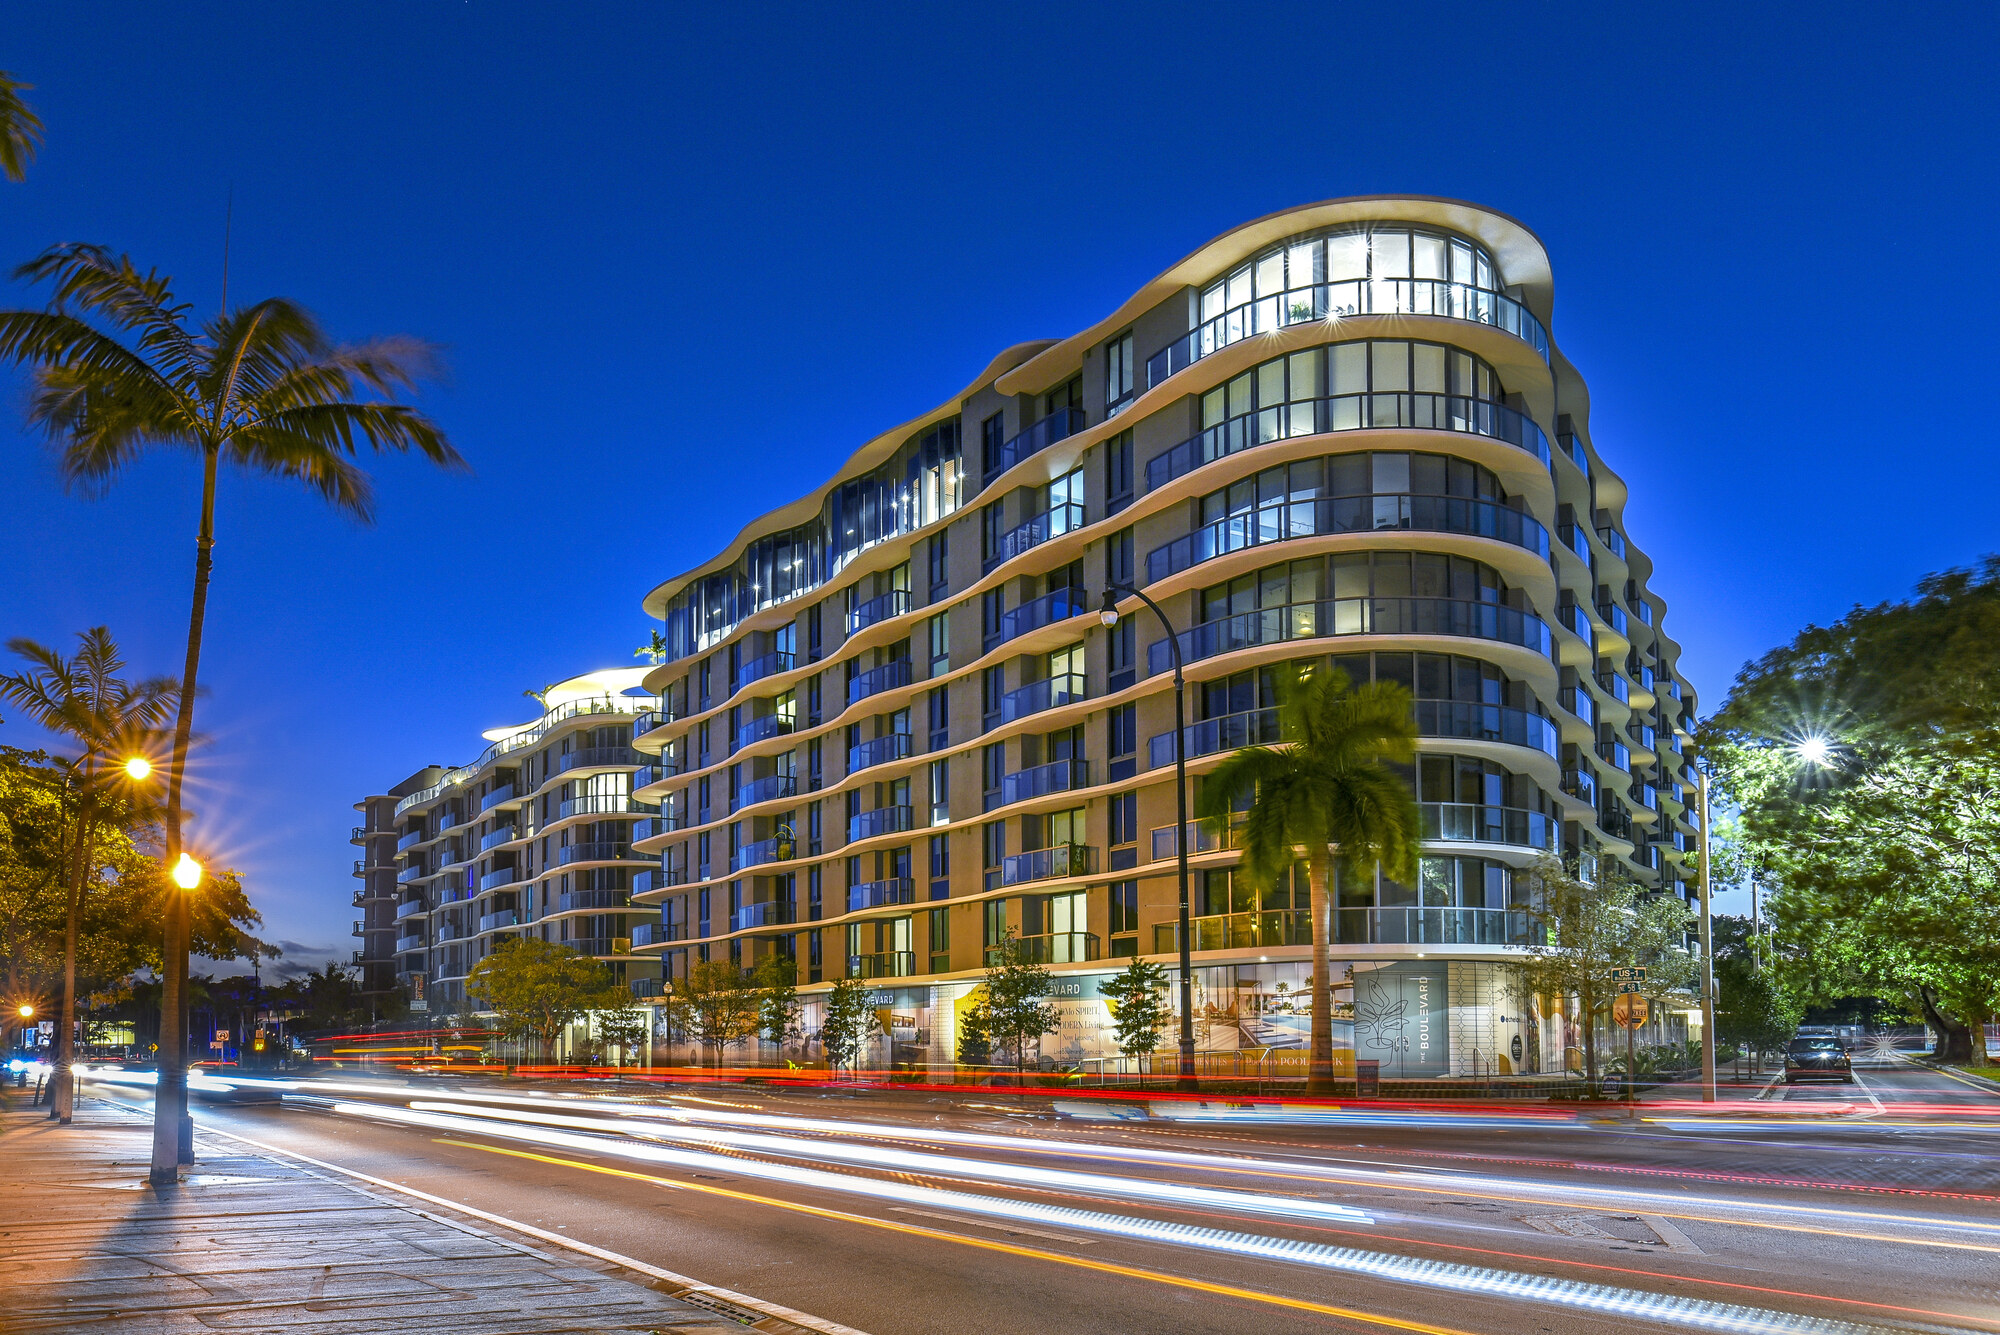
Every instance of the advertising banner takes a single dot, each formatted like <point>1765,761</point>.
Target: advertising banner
<point>1401,1017</point>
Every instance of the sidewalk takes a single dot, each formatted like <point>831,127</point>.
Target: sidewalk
<point>262,1244</point>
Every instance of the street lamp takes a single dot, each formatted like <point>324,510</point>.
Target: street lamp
<point>138,769</point>
<point>26,1011</point>
<point>1108,614</point>
<point>187,873</point>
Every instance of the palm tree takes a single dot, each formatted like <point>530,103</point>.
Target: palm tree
<point>20,128</point>
<point>1330,789</point>
<point>111,720</point>
<point>260,387</point>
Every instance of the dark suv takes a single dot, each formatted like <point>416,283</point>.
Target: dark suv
<point>1817,1059</point>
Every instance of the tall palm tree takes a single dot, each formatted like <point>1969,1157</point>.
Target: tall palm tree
<point>260,387</point>
<point>20,128</point>
<point>110,720</point>
<point>1329,790</point>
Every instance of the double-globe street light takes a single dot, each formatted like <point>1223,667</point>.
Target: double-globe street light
<point>1108,614</point>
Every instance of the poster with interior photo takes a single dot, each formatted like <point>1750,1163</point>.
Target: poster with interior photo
<point>1273,1005</point>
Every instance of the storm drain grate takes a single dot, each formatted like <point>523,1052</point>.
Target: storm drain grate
<point>742,1316</point>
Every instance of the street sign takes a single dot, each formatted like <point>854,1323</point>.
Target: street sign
<point>1630,988</point>
<point>1637,975</point>
<point>1629,1010</point>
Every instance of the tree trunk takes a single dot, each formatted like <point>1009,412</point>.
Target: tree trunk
<point>170,1094</point>
<point>1586,1004</point>
<point>1319,1072</point>
<point>62,1102</point>
<point>1954,1039</point>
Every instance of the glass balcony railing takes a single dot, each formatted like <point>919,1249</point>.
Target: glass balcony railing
<point>1570,536</point>
<point>1578,702</point>
<point>1612,615</point>
<point>1485,723</point>
<point>756,855</point>
<point>658,933</point>
<point>655,825</point>
<point>409,840</point>
<point>646,987</point>
<point>1207,839</point>
<point>413,872</point>
<point>759,668</point>
<point>491,922</point>
<point>602,804</point>
<point>1580,784</point>
<point>1060,776</point>
<point>883,964</point>
<point>657,772</point>
<point>448,819</point>
<point>498,797</point>
<point>1644,795</point>
<point>1048,864</point>
<point>1348,412</point>
<point>767,789</point>
<point>1616,754</point>
<point>1357,616</point>
<point>887,677</point>
<point>650,720</point>
<point>664,878</point>
<point>1465,822</point>
<point>504,876</point>
<point>494,838</point>
<point>771,913</point>
<point>601,850</point>
<point>1614,686</point>
<point>881,894</point>
<point>1036,696</point>
<point>757,729</point>
<point>1643,736</point>
<point>409,910</point>
<point>1058,425</point>
<point>600,945</point>
<point>1361,296</point>
<point>882,820</point>
<point>1384,926</point>
<point>1333,515</point>
<point>448,932</point>
<point>1025,537</point>
<point>405,944</point>
<point>879,608</point>
<point>1050,948</point>
<point>598,757</point>
<point>1047,610</point>
<point>878,751</point>
<point>578,901</point>
<point>1226,732</point>
<point>452,894</point>
<point>1644,611</point>
<point>1614,541</point>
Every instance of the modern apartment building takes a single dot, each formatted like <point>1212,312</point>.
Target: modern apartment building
<point>533,838</point>
<point>377,927</point>
<point>891,727</point>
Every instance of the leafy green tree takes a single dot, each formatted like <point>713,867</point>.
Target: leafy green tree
<point>847,1024</point>
<point>1016,987</point>
<point>975,1033</point>
<point>20,128</point>
<point>778,1005</point>
<point>624,1025</point>
<point>1865,758</point>
<point>538,989</point>
<point>259,387</point>
<point>1332,790</point>
<point>715,1005</point>
<point>1590,929</point>
<point>1751,1010</point>
<point>1138,994</point>
<point>109,720</point>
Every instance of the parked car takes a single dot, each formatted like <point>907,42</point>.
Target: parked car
<point>1817,1059</point>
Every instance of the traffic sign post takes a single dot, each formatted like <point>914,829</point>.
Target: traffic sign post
<point>1629,1011</point>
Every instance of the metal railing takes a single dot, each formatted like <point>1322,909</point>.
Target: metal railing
<point>1286,521</point>
<point>1049,693</point>
<point>1411,925</point>
<point>1052,607</point>
<point>771,913</point>
<point>767,789</point>
<point>887,677</point>
<point>769,665</point>
<point>1471,823</point>
<point>1334,617</point>
<point>1036,437</point>
<point>880,894</point>
<point>757,729</point>
<point>1032,533</point>
<point>759,853</point>
<point>1050,948</point>
<point>879,750</point>
<point>1048,864</point>
<point>879,608</point>
<point>883,964</point>
<point>1058,776</point>
<point>882,820</point>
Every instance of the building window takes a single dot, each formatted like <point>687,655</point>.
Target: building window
<point>992,769</point>
<point>992,528</point>
<point>992,435</point>
<point>993,914</point>
<point>940,565</point>
<point>940,933</point>
<point>814,902</point>
<point>992,688</point>
<point>939,634</point>
<point>1117,472</point>
<point>940,718</point>
<point>1117,374</point>
<point>940,791</point>
<point>940,866</point>
<point>991,605</point>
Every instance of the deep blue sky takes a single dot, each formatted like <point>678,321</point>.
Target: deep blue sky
<point>684,262</point>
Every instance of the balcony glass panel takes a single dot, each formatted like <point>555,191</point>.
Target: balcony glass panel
<point>1166,840</point>
<point>1036,696</point>
<point>894,673</point>
<point>880,608</point>
<point>1226,732</point>
<point>759,853</point>
<point>412,838</point>
<point>505,876</point>
<point>494,838</point>
<point>879,750</point>
<point>876,894</point>
<point>1580,784</point>
<point>1059,776</point>
<point>1348,514</point>
<point>1058,425</point>
<point>1356,616</point>
<point>658,933</point>
<point>409,943</point>
<point>1612,615</point>
<point>1348,412</point>
<point>578,900</point>
<point>767,789</point>
<point>602,850</point>
<point>771,913</point>
<point>600,945</point>
<point>759,668</point>
<point>883,964</point>
<point>1047,864</point>
<point>1485,723</point>
<point>1362,296</point>
<point>653,825</point>
<point>664,878</point>
<point>1053,948</point>
<point>489,922</point>
<point>646,987</point>
<point>657,772</point>
<point>1614,541</point>
<point>757,729</point>
<point>650,720</point>
<point>607,804</point>
<point>1615,686</point>
<point>882,820</point>
<point>504,793</point>
<point>409,910</point>
<point>410,873</point>
<point>1390,926</point>
<point>1025,537</point>
<point>1047,610</point>
<point>598,757</point>
<point>1468,823</point>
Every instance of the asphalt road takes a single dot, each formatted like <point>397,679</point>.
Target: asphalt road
<point>1876,1205</point>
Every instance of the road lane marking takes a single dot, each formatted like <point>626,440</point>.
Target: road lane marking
<point>1001,1225</point>
<point>696,1286</point>
<point>1863,1086</point>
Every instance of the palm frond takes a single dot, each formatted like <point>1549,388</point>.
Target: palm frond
<point>99,423</point>
<point>383,427</point>
<point>87,278</point>
<point>20,128</point>
<point>254,346</point>
<point>316,457</point>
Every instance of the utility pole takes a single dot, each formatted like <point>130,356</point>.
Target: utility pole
<point>1707,956</point>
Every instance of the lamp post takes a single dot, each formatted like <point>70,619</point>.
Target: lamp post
<point>173,1129</point>
<point>1108,614</point>
<point>1707,957</point>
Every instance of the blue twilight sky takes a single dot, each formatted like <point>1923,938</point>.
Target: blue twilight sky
<point>686,260</point>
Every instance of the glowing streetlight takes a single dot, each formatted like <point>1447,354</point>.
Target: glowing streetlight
<point>187,873</point>
<point>26,1011</point>
<point>138,769</point>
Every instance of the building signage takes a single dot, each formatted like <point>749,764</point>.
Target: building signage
<point>1401,1018</point>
